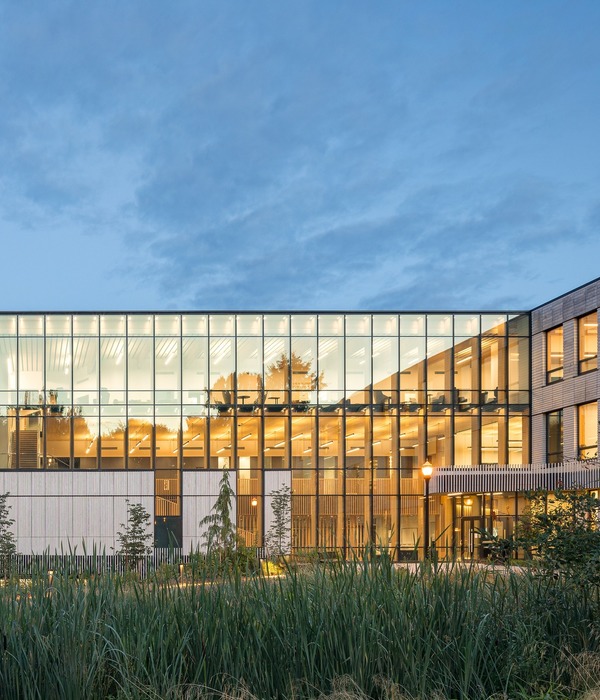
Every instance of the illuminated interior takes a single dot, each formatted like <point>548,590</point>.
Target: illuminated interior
<point>349,404</point>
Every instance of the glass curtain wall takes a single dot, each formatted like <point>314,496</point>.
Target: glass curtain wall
<point>350,405</point>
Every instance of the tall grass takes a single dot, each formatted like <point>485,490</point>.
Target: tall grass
<point>454,632</point>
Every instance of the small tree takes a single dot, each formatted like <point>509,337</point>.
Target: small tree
<point>277,539</point>
<point>134,539</point>
<point>221,533</point>
<point>8,544</point>
<point>225,550</point>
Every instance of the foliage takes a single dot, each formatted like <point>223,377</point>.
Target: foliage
<point>562,531</point>
<point>134,539</point>
<point>8,543</point>
<point>225,550</point>
<point>305,376</point>
<point>277,539</point>
<point>451,632</point>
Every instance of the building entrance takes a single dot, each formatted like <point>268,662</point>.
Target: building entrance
<point>470,544</point>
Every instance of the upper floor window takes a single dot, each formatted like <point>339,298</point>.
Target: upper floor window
<point>554,355</point>
<point>554,437</point>
<point>588,342</point>
<point>588,430</point>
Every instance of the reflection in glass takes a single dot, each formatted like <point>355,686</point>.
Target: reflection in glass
<point>8,364</point>
<point>275,450</point>
<point>7,431</point>
<point>112,367</point>
<point>31,370</point>
<point>167,431</point>
<point>58,371</point>
<point>466,373</point>
<point>439,442</point>
<point>331,363</point>
<point>167,368</point>
<point>221,442</point>
<point>412,444</point>
<point>358,363</point>
<point>195,370</point>
<point>331,524</point>
<point>221,363</point>
<point>58,442</point>
<point>139,443</point>
<point>493,324</point>
<point>86,430</point>
<point>194,442</point>
<point>466,448</point>
<point>112,441</point>
<point>439,374</point>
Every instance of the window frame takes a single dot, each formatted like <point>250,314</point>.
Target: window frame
<point>581,361</point>
<point>550,378</point>
<point>551,457</point>
<point>584,448</point>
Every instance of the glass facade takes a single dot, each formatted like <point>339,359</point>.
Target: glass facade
<point>350,405</point>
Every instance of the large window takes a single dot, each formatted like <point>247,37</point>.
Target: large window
<point>554,355</point>
<point>588,430</point>
<point>588,342</point>
<point>554,437</point>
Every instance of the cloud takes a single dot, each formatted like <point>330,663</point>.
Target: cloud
<point>300,156</point>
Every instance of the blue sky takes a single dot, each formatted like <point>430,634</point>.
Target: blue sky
<point>317,155</point>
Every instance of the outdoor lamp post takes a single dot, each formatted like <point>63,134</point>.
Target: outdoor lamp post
<point>427,471</point>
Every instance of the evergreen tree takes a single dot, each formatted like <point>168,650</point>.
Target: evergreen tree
<point>8,544</point>
<point>134,539</point>
<point>221,533</point>
<point>277,539</point>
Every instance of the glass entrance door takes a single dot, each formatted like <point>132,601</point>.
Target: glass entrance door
<point>470,547</point>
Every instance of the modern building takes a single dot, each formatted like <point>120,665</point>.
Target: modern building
<point>344,408</point>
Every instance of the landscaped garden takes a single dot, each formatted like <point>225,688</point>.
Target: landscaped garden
<point>361,629</point>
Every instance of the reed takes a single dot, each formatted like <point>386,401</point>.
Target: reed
<point>358,629</point>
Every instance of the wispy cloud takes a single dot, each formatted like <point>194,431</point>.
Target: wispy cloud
<point>298,156</point>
